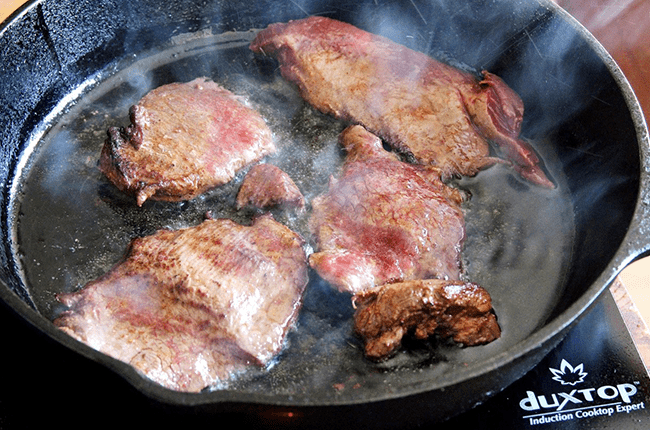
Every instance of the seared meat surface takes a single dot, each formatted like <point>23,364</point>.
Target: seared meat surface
<point>441,115</point>
<point>384,220</point>
<point>266,185</point>
<point>184,139</point>
<point>190,307</point>
<point>449,309</point>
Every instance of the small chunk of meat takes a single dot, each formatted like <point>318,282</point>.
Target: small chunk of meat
<point>449,309</point>
<point>266,186</point>
<point>190,308</point>
<point>184,139</point>
<point>384,220</point>
<point>441,115</point>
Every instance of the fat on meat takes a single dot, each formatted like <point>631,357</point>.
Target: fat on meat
<point>452,309</point>
<point>441,115</point>
<point>192,307</point>
<point>383,220</point>
<point>184,139</point>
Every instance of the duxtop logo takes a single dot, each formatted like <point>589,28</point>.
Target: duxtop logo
<point>567,374</point>
<point>580,402</point>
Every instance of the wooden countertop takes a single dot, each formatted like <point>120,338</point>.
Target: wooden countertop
<point>8,6</point>
<point>623,27</point>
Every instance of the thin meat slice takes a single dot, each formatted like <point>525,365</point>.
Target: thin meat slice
<point>189,308</point>
<point>449,309</point>
<point>266,186</point>
<point>438,113</point>
<point>384,220</point>
<point>184,139</point>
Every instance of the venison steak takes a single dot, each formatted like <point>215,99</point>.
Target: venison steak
<point>266,186</point>
<point>184,139</point>
<point>450,309</point>
<point>441,115</point>
<point>189,308</point>
<point>384,220</point>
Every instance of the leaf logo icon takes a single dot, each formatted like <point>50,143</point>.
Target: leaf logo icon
<point>567,374</point>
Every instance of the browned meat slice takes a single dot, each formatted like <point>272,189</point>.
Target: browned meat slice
<point>384,220</point>
<point>190,307</point>
<point>449,309</point>
<point>266,185</point>
<point>184,139</point>
<point>442,115</point>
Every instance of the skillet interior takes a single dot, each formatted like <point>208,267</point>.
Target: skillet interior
<point>88,223</point>
<point>536,251</point>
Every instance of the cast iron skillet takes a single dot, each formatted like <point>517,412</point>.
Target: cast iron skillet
<point>69,69</point>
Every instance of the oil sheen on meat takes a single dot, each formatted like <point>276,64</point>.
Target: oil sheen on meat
<point>441,115</point>
<point>190,308</point>
<point>184,139</point>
